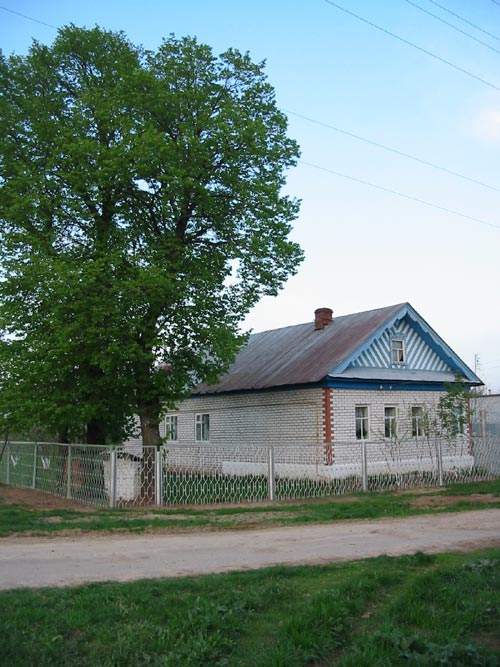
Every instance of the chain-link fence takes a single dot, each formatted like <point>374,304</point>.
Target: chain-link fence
<point>485,411</point>
<point>177,474</point>
<point>92,474</point>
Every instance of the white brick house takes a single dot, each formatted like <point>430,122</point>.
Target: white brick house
<point>327,385</point>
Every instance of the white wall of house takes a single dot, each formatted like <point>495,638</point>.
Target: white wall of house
<point>344,402</point>
<point>404,447</point>
<point>256,418</point>
<point>253,419</point>
<point>295,418</point>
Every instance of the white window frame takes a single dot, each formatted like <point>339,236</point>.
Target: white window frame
<point>460,419</point>
<point>171,428</point>
<point>398,354</point>
<point>202,427</point>
<point>363,421</point>
<point>390,421</point>
<point>418,422</point>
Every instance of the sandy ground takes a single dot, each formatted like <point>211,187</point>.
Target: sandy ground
<point>39,562</point>
<point>38,500</point>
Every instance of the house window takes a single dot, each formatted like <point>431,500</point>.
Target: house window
<point>398,353</point>
<point>361,422</point>
<point>418,422</point>
<point>202,427</point>
<point>459,420</point>
<point>171,427</point>
<point>390,422</point>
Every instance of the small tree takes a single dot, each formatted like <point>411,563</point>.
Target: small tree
<point>453,410</point>
<point>142,217</point>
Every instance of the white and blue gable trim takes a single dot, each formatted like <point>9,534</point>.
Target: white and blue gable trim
<point>424,349</point>
<point>418,354</point>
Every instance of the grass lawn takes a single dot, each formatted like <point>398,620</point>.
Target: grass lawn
<point>422,610</point>
<point>34,519</point>
<point>439,610</point>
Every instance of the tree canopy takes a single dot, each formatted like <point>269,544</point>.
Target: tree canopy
<point>142,216</point>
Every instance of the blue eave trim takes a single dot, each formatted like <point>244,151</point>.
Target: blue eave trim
<point>340,383</point>
<point>384,385</point>
<point>441,348</point>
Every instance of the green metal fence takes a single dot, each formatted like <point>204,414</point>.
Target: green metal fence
<point>207,473</point>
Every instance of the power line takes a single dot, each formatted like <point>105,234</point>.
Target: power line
<point>369,141</point>
<point>467,34</point>
<point>401,194</point>
<point>374,25</point>
<point>30,18</point>
<point>445,9</point>
<point>415,46</point>
<point>394,150</point>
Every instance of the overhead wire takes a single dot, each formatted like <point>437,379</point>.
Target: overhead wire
<point>401,194</point>
<point>413,45</point>
<point>369,141</point>
<point>393,150</point>
<point>445,9</point>
<point>30,18</point>
<point>463,32</point>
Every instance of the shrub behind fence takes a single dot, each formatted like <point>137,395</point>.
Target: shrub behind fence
<point>205,474</point>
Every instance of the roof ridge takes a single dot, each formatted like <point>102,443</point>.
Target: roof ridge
<point>360,312</point>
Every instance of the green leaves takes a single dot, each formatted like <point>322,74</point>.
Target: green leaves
<point>142,217</point>
<point>454,409</point>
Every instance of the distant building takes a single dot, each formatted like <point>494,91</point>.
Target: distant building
<point>486,415</point>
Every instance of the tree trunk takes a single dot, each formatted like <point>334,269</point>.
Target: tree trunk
<point>63,436</point>
<point>150,425</point>
<point>95,433</point>
<point>150,432</point>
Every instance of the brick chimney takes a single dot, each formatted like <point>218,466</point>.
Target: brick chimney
<point>322,317</point>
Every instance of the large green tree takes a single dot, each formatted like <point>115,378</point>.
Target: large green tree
<point>142,215</point>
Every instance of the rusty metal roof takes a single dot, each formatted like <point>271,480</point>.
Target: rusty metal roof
<point>300,354</point>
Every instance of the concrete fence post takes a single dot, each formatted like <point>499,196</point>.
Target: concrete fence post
<point>440,462</point>
<point>35,456</point>
<point>158,476</point>
<point>69,470</point>
<point>7,452</point>
<point>271,482</point>
<point>484,425</point>
<point>112,477</point>
<point>364,466</point>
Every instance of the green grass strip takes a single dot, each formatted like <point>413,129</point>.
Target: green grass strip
<point>19,519</point>
<point>383,612</point>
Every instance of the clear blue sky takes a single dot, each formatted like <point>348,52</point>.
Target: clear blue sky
<point>365,247</point>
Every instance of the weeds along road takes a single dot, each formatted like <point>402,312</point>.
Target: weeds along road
<point>39,562</point>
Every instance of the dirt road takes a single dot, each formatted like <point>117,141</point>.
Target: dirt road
<point>38,562</point>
